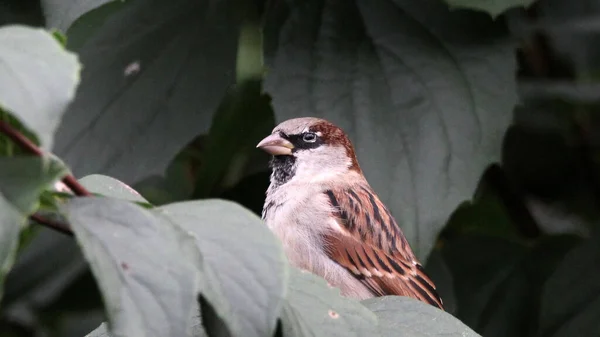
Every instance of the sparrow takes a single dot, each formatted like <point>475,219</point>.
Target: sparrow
<point>330,221</point>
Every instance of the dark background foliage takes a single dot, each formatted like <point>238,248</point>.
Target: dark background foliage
<point>483,136</point>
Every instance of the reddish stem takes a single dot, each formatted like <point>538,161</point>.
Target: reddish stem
<point>58,226</point>
<point>30,147</point>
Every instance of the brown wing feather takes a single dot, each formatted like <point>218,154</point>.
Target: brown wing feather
<point>370,244</point>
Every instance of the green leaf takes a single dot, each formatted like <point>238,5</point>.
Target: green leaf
<point>312,308</point>
<point>407,317</point>
<point>102,330</point>
<point>88,24</point>
<point>11,221</point>
<point>498,288</point>
<point>110,187</point>
<point>486,216</point>
<point>38,78</point>
<point>571,297</point>
<point>146,279</point>
<point>141,101</point>
<point>60,14</point>
<point>441,275</point>
<point>244,118</point>
<point>22,180</point>
<point>493,7</point>
<point>244,268</point>
<point>424,94</point>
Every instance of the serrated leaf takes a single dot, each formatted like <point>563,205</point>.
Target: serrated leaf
<point>406,317</point>
<point>38,78</point>
<point>22,180</point>
<point>110,187</point>
<point>147,281</point>
<point>425,95</point>
<point>244,268</point>
<point>313,308</point>
<point>141,101</point>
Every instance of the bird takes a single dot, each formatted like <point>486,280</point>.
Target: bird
<point>330,221</point>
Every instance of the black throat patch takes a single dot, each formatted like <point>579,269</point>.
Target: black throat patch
<point>283,168</point>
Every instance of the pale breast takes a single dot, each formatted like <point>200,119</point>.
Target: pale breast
<point>298,217</point>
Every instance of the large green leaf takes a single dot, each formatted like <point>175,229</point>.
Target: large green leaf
<point>244,268</point>
<point>406,317</point>
<point>22,180</point>
<point>146,278</point>
<point>102,330</point>
<point>38,78</point>
<point>424,93</point>
<point>313,308</point>
<point>153,76</point>
<point>60,14</point>
<point>571,298</point>
<point>110,187</point>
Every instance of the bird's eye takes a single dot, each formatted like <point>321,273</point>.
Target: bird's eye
<point>309,137</point>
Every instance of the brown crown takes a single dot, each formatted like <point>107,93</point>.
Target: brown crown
<point>335,136</point>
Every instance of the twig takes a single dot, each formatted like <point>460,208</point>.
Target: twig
<point>58,226</point>
<point>30,147</point>
<point>27,145</point>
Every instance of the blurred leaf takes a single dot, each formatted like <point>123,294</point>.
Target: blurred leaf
<point>38,78</point>
<point>250,191</point>
<point>22,180</point>
<point>486,216</point>
<point>110,187</point>
<point>424,93</point>
<point>498,282</point>
<point>404,316</point>
<point>60,14</point>
<point>571,297</point>
<point>88,24</point>
<point>141,101</point>
<point>39,277</point>
<point>7,146</point>
<point>26,236</point>
<point>131,252</point>
<point>244,117</point>
<point>214,325</point>
<point>245,270</point>
<point>22,12</point>
<point>312,308</point>
<point>480,266</point>
<point>441,275</point>
<point>240,123</point>
<point>102,330</point>
<point>494,7</point>
<point>179,178</point>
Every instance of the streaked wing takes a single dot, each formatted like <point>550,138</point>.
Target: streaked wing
<point>370,244</point>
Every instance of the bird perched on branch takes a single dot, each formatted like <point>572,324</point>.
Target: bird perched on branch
<point>330,221</point>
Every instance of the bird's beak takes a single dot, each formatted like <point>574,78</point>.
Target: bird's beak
<point>276,145</point>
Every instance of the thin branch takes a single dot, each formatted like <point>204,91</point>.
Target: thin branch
<point>30,147</point>
<point>20,139</point>
<point>58,226</point>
